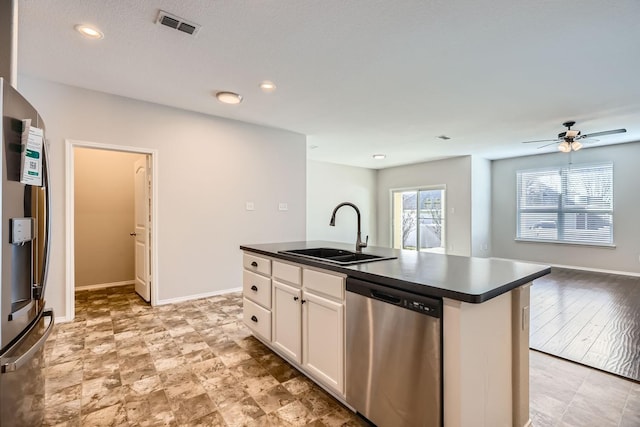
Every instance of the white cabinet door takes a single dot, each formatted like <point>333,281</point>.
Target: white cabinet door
<point>287,328</point>
<point>323,340</point>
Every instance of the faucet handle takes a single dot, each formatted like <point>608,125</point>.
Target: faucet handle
<point>366,242</point>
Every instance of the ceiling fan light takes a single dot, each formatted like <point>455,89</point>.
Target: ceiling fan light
<point>576,145</point>
<point>564,147</point>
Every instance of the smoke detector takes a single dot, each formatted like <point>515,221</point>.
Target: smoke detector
<point>177,23</point>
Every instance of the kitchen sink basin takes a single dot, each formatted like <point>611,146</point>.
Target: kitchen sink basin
<point>336,256</point>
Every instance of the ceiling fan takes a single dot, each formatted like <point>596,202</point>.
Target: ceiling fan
<point>569,140</point>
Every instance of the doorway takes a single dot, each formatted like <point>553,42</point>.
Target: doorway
<point>111,227</point>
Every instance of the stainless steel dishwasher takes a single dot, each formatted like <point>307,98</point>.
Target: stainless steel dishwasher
<point>394,355</point>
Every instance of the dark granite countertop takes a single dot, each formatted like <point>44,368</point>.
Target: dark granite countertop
<point>468,279</point>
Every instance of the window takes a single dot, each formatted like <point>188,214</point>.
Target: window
<point>572,204</point>
<point>418,219</point>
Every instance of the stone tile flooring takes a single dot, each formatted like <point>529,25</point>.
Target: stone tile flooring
<point>124,363</point>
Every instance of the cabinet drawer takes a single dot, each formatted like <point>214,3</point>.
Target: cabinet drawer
<point>324,283</point>
<point>287,272</point>
<point>257,264</point>
<point>257,318</point>
<point>257,288</point>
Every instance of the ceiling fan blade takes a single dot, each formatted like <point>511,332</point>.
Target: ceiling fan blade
<point>546,145</point>
<point>540,140</point>
<point>606,132</point>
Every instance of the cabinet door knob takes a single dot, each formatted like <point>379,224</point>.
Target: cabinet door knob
<point>254,319</point>
<point>254,288</point>
<point>296,298</point>
<point>303,301</point>
<point>254,264</point>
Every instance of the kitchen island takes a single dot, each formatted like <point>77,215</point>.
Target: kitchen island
<point>484,328</point>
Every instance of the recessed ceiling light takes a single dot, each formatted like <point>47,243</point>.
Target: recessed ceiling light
<point>229,97</point>
<point>379,156</point>
<point>89,32</point>
<point>268,86</point>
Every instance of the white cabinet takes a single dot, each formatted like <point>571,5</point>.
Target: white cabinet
<point>323,340</point>
<point>257,318</point>
<point>256,290</point>
<point>306,311</point>
<point>287,329</point>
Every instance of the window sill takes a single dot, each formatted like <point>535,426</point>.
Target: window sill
<point>558,242</point>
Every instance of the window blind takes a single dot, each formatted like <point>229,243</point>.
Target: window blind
<point>571,204</point>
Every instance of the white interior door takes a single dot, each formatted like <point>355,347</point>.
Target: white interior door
<point>141,230</point>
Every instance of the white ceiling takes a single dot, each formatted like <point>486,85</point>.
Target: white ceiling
<point>360,77</point>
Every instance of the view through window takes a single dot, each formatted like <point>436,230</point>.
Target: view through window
<point>571,204</point>
<point>418,219</point>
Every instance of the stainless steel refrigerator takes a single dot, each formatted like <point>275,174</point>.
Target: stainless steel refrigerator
<point>25,231</point>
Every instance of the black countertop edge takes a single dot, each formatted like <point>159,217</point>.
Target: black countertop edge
<point>434,291</point>
<point>417,288</point>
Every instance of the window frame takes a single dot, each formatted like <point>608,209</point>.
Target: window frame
<point>561,209</point>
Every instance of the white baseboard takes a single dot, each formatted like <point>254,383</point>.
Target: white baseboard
<point>61,319</point>
<point>104,285</point>
<point>198,296</point>
<point>574,267</point>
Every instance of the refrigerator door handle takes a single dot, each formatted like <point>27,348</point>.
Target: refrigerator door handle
<point>15,363</point>
<point>47,243</point>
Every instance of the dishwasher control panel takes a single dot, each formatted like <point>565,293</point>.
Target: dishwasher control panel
<point>420,306</point>
<point>407,300</point>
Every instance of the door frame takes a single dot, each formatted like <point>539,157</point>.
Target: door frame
<point>70,145</point>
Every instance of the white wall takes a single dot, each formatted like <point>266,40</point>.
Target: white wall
<point>626,232</point>
<point>455,174</point>
<point>208,168</point>
<point>327,186</point>
<point>480,207</point>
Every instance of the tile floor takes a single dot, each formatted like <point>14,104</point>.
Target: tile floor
<point>123,363</point>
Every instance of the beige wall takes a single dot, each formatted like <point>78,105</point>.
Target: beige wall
<point>208,168</point>
<point>104,196</point>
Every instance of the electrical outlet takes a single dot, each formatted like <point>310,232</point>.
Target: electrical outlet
<point>250,207</point>
<point>283,207</point>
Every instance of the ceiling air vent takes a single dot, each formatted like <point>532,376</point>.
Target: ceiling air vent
<point>177,23</point>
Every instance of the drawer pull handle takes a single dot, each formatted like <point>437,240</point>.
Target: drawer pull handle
<point>254,288</point>
<point>254,264</point>
<point>296,298</point>
<point>254,319</point>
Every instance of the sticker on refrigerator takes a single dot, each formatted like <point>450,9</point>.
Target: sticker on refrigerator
<point>32,141</point>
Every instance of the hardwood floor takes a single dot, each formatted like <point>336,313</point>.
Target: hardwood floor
<point>589,318</point>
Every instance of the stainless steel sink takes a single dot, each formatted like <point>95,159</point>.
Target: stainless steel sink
<point>336,256</point>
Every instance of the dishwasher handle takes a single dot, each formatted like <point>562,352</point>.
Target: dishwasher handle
<point>391,299</point>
